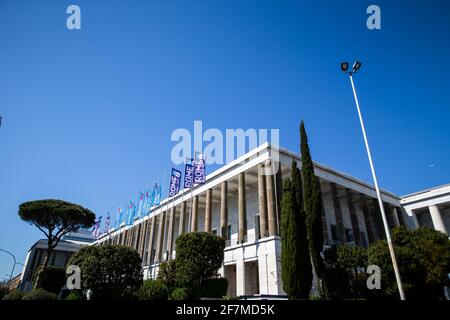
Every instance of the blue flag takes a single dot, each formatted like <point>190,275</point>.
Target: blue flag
<point>188,176</point>
<point>199,170</point>
<point>174,185</point>
<point>156,195</point>
<point>140,205</point>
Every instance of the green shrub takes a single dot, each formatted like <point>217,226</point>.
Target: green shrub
<point>214,288</point>
<point>76,295</point>
<point>3,292</point>
<point>52,279</point>
<point>180,294</point>
<point>39,295</point>
<point>199,256</point>
<point>112,272</point>
<point>14,295</point>
<point>153,290</point>
<point>167,274</point>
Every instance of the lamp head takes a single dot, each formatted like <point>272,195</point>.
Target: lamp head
<point>344,66</point>
<point>356,66</point>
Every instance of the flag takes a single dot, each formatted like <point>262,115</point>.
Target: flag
<point>188,176</point>
<point>131,213</point>
<point>174,185</point>
<point>119,218</point>
<point>199,170</point>
<point>147,203</point>
<point>156,194</point>
<point>107,222</point>
<point>96,228</point>
<point>140,205</point>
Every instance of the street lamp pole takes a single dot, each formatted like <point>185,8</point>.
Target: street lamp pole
<point>356,67</point>
<point>14,265</point>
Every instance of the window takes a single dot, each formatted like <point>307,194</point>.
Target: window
<point>349,235</point>
<point>229,232</point>
<point>334,237</point>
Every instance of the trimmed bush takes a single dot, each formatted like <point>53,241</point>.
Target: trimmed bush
<point>214,288</point>
<point>112,272</point>
<point>180,294</point>
<point>199,256</point>
<point>153,290</point>
<point>14,295</point>
<point>76,295</point>
<point>40,295</point>
<point>52,279</point>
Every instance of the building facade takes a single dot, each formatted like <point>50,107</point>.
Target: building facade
<point>241,203</point>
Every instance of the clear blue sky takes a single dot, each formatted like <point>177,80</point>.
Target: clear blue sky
<point>88,114</point>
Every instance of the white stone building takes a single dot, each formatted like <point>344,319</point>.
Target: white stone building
<point>241,204</point>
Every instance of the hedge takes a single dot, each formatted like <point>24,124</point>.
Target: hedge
<point>39,295</point>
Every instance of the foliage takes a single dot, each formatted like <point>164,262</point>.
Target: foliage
<point>110,271</point>
<point>214,288</point>
<point>153,290</point>
<point>199,256</point>
<point>167,274</point>
<point>40,295</point>
<point>345,272</point>
<point>52,279</point>
<point>295,258</point>
<point>180,294</point>
<point>14,295</point>
<point>3,292</point>
<point>55,218</point>
<point>423,257</point>
<point>76,295</point>
<point>312,199</point>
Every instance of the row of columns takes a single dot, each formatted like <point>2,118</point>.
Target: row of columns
<point>372,216</point>
<point>143,237</point>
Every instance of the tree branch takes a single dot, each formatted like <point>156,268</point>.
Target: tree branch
<point>37,226</point>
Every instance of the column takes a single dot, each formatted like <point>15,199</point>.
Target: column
<point>208,210</point>
<point>137,236</point>
<point>181,224</point>
<point>338,215</point>
<point>271,211</point>
<point>150,241</point>
<point>170,233</point>
<point>436,217</point>
<point>127,237</point>
<point>353,218</point>
<point>240,277</point>
<point>224,210</point>
<point>367,219</point>
<point>263,232</point>
<point>194,214</point>
<point>242,223</point>
<point>379,226</point>
<point>160,238</point>
<point>142,239</point>
<point>395,213</point>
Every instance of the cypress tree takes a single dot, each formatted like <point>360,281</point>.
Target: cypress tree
<point>303,258</point>
<point>296,269</point>
<point>312,199</point>
<point>288,235</point>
